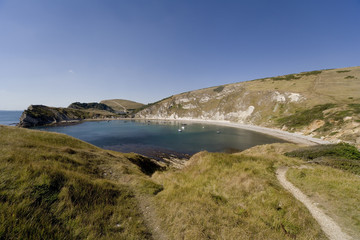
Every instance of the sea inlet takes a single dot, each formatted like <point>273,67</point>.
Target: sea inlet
<point>157,137</point>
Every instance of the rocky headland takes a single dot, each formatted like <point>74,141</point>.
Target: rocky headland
<point>40,115</point>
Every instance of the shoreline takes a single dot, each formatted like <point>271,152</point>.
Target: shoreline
<point>284,135</point>
<point>288,136</point>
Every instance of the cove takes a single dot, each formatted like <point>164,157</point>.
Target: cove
<point>152,138</point>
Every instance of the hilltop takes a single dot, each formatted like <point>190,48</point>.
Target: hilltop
<point>121,105</point>
<point>323,104</point>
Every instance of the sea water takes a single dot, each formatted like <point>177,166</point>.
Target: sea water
<point>153,137</point>
<point>9,117</point>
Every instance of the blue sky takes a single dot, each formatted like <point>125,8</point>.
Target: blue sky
<point>61,51</point>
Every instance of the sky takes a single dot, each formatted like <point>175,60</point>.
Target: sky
<point>62,51</point>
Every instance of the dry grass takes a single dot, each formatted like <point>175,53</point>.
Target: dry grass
<point>223,196</point>
<point>53,187</point>
<point>336,191</point>
<point>120,104</point>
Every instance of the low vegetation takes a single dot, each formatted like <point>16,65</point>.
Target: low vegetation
<point>335,191</point>
<point>94,105</point>
<point>121,105</point>
<point>295,76</point>
<point>332,181</point>
<point>343,71</point>
<point>286,77</point>
<point>305,117</point>
<point>219,89</point>
<point>224,196</point>
<point>150,104</point>
<point>342,156</point>
<point>325,120</point>
<point>56,187</point>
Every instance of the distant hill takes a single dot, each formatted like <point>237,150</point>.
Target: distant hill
<point>323,103</point>
<point>98,106</point>
<point>121,105</point>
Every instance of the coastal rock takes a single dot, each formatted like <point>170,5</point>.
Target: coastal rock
<point>40,115</point>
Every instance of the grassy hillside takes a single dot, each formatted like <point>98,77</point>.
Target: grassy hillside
<point>321,103</point>
<point>122,105</point>
<point>336,191</point>
<point>56,187</point>
<point>223,196</point>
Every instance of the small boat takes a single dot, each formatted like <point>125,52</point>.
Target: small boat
<point>179,130</point>
<point>182,127</point>
<point>218,132</point>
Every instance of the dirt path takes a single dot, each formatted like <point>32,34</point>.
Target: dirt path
<point>120,106</point>
<point>150,217</point>
<point>329,226</point>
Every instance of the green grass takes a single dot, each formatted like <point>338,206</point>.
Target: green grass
<point>342,156</point>
<point>336,191</point>
<point>224,196</point>
<point>343,71</point>
<point>219,89</point>
<point>305,117</point>
<point>150,104</point>
<point>311,73</point>
<point>295,76</point>
<point>286,77</point>
<point>355,107</point>
<point>53,187</point>
<point>349,77</point>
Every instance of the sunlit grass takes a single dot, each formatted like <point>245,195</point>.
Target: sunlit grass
<point>52,187</point>
<point>336,191</point>
<point>223,196</point>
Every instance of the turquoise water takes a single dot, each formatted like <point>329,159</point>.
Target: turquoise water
<point>153,137</point>
<point>9,117</point>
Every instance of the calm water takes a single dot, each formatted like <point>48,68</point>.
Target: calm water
<point>151,138</point>
<point>9,117</point>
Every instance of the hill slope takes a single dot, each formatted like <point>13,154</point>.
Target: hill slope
<point>321,103</point>
<point>122,105</point>
<point>53,186</point>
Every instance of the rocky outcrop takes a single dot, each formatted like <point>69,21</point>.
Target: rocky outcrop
<point>40,115</point>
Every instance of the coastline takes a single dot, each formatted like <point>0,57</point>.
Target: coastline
<point>287,136</point>
<point>284,135</point>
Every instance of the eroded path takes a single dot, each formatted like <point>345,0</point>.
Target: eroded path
<point>329,226</point>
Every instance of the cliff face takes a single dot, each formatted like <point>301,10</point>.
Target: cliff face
<point>39,115</point>
<point>288,102</point>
